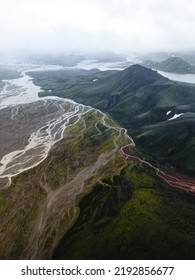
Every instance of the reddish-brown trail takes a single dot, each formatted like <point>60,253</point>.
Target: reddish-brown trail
<point>173,178</point>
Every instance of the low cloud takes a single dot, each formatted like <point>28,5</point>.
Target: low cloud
<point>117,25</point>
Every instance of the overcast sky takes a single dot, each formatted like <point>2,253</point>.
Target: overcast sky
<point>79,25</point>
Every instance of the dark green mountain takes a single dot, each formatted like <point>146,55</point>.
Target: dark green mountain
<point>143,101</point>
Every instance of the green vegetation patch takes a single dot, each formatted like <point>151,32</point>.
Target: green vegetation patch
<point>19,207</point>
<point>132,216</point>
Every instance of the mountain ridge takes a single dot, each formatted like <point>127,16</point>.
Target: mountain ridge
<point>139,99</point>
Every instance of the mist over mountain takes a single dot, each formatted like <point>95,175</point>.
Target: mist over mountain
<point>84,26</point>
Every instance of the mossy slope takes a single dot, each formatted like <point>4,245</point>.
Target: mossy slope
<point>132,216</point>
<point>41,203</point>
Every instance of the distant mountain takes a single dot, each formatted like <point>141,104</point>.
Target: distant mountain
<point>159,113</point>
<point>175,64</point>
<point>171,64</point>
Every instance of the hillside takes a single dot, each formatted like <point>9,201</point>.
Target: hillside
<point>131,215</point>
<point>153,108</point>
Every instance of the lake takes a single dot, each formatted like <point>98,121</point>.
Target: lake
<point>186,78</point>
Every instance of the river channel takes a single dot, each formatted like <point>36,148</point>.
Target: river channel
<point>30,125</point>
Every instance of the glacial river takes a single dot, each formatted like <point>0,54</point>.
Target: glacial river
<point>30,125</point>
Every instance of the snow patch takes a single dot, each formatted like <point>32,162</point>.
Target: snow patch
<point>175,116</point>
<point>168,113</point>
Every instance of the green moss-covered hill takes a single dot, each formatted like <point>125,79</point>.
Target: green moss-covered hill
<point>132,215</point>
